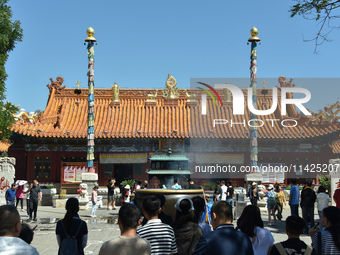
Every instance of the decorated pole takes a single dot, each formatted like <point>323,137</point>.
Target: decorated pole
<point>90,113</point>
<point>253,80</point>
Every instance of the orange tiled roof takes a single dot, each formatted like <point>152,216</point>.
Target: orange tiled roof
<point>336,147</point>
<point>4,145</point>
<point>65,116</point>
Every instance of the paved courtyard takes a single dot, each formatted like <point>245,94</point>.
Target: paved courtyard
<point>104,227</point>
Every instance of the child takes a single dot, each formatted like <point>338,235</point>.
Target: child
<point>94,201</point>
<point>126,194</point>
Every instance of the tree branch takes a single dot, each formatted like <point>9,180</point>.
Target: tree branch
<point>318,10</point>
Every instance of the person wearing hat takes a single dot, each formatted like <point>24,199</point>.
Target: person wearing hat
<point>126,194</point>
<point>253,194</point>
<point>187,232</point>
<point>271,203</point>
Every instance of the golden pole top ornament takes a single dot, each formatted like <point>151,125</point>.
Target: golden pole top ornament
<point>254,32</point>
<point>90,33</point>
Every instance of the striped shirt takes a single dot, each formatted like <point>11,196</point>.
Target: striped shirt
<point>160,236</point>
<point>327,244</point>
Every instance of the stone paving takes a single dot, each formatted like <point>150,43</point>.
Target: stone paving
<point>104,227</point>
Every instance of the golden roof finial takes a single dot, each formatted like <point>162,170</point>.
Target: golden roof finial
<point>115,92</point>
<point>254,32</point>
<point>90,33</point>
<point>264,84</point>
<point>78,84</point>
<point>170,90</point>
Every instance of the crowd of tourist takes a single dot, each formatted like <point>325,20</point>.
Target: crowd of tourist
<point>34,196</point>
<point>199,226</point>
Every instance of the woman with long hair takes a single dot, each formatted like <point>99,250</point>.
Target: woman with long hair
<point>327,241</point>
<point>251,224</point>
<point>72,227</point>
<point>201,214</point>
<point>187,232</point>
<point>322,200</point>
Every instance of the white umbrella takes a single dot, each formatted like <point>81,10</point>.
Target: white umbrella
<point>20,182</point>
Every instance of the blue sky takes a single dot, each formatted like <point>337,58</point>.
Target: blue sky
<point>140,42</point>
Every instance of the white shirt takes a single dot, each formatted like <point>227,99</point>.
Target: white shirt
<point>15,246</point>
<point>322,199</point>
<point>223,196</point>
<point>127,199</point>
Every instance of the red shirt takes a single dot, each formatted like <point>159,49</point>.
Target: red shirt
<point>337,197</point>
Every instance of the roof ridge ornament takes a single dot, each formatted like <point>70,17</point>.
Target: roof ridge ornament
<point>152,97</point>
<point>56,85</point>
<point>190,97</point>
<point>284,83</point>
<point>227,95</point>
<point>22,115</point>
<point>170,90</point>
<point>115,92</point>
<point>330,115</point>
<point>115,95</point>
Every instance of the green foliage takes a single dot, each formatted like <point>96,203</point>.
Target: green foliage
<point>321,11</point>
<point>128,182</point>
<point>4,154</point>
<point>325,181</point>
<point>210,185</point>
<point>47,187</point>
<point>316,7</point>
<point>10,34</point>
<point>288,188</point>
<point>6,118</point>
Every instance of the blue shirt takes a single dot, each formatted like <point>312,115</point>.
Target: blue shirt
<point>176,186</point>
<point>269,194</point>
<point>10,193</point>
<point>295,191</point>
<point>224,240</point>
<point>204,214</point>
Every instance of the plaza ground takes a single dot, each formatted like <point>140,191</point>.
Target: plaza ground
<point>104,227</point>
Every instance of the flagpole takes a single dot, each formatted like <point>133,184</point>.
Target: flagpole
<point>90,113</point>
<point>253,81</point>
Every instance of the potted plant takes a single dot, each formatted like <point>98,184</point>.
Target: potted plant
<point>48,189</point>
<point>131,183</point>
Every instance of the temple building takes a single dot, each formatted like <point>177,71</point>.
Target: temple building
<point>158,135</point>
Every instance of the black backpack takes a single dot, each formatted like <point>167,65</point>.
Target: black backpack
<point>69,245</point>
